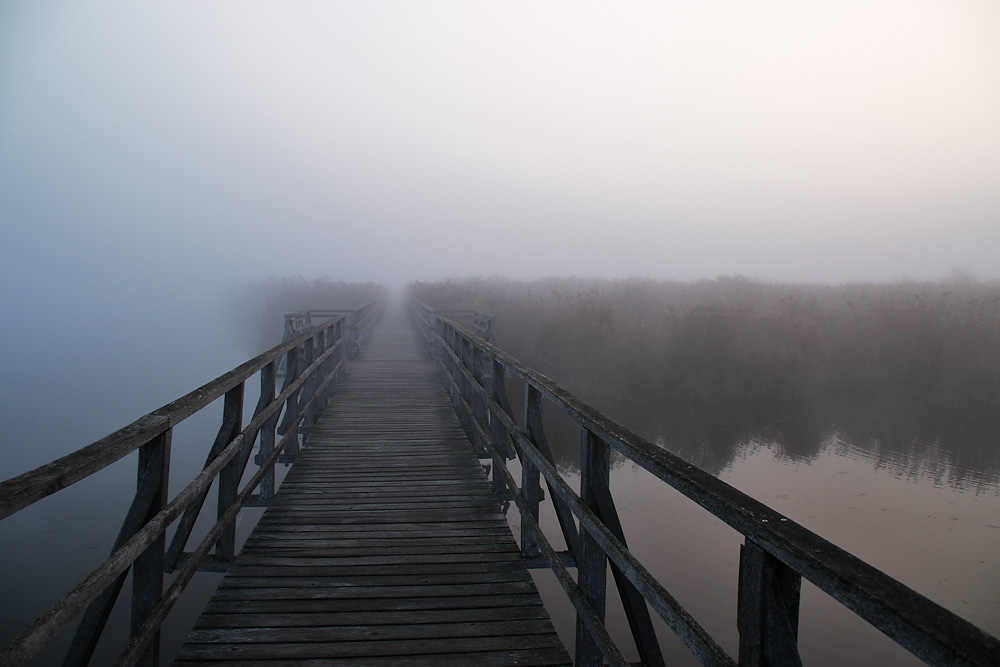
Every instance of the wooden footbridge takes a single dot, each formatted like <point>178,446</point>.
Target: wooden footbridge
<point>387,542</point>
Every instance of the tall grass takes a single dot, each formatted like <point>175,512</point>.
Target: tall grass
<point>670,357</point>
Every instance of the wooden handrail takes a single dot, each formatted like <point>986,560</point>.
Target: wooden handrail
<point>19,492</point>
<point>789,550</point>
<point>141,544</point>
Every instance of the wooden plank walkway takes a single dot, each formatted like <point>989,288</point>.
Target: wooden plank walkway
<point>385,544</point>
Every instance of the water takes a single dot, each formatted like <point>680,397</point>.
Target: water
<point>934,529</point>
<point>905,496</point>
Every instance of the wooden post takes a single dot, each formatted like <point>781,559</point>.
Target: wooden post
<point>432,328</point>
<point>595,478</point>
<point>341,354</point>
<point>457,384</point>
<point>88,632</point>
<point>306,390</point>
<point>767,610</point>
<point>321,371</point>
<point>229,476</point>
<point>292,404</point>
<point>147,570</point>
<point>352,327</point>
<point>478,404</point>
<point>498,390</point>
<point>267,386</point>
<point>531,487</point>
<point>465,365</point>
<point>501,440</point>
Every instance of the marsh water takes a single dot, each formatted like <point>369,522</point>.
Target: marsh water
<point>914,496</point>
<point>912,503</point>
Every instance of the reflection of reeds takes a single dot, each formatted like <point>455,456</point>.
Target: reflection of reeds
<point>713,365</point>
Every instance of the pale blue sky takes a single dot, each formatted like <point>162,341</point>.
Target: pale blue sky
<point>152,147</point>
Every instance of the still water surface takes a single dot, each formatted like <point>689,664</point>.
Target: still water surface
<point>942,540</point>
<point>914,515</point>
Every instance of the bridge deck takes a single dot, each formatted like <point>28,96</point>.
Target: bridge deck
<point>385,544</point>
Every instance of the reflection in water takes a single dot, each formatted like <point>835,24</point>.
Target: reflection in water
<point>959,450</point>
<point>883,482</point>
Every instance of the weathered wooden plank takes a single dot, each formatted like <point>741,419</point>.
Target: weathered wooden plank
<point>555,657</point>
<point>291,556</point>
<point>449,579</point>
<point>373,591</point>
<point>360,605</point>
<point>363,649</point>
<point>361,633</point>
<point>442,560</point>
<point>350,538</point>
<point>316,567</point>
<point>403,529</point>
<point>355,618</point>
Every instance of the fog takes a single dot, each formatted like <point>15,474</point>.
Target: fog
<point>155,157</point>
<point>172,148</point>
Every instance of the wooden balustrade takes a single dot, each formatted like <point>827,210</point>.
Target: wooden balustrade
<point>315,356</point>
<point>776,556</point>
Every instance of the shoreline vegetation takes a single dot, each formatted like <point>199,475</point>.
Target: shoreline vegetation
<point>909,371</point>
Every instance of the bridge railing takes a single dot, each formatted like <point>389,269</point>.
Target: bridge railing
<point>776,555</point>
<point>358,323</point>
<point>315,359</point>
<point>482,324</point>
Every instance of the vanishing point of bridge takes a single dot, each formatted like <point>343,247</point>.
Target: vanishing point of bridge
<point>387,544</point>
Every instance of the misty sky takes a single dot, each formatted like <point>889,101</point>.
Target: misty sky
<point>153,148</point>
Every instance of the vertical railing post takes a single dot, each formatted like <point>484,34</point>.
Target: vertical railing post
<point>478,403</point>
<point>498,390</point>
<point>530,475</point>
<point>341,354</point>
<point>502,449</point>
<point>431,333</point>
<point>468,394</point>
<point>331,369</point>
<point>457,384</point>
<point>148,498</point>
<point>229,476</point>
<point>267,386</point>
<point>292,404</point>
<point>595,478</point>
<point>147,570</point>
<point>308,387</point>
<point>531,489</point>
<point>319,347</point>
<point>767,609</point>
<point>352,329</point>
